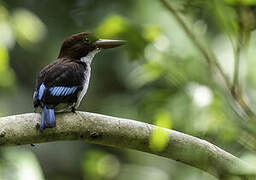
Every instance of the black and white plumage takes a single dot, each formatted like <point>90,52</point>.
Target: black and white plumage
<point>61,85</point>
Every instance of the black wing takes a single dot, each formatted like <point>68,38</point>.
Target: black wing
<point>59,82</point>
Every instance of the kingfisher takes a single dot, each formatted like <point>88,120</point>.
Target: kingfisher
<point>61,85</point>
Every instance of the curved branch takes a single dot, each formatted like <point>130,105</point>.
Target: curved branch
<point>124,133</point>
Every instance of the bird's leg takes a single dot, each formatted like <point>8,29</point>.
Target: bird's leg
<point>73,110</point>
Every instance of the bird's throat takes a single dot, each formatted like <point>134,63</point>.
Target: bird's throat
<point>88,58</point>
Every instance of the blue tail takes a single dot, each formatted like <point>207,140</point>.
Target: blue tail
<point>48,119</point>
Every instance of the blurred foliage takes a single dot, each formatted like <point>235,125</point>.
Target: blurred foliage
<point>28,29</point>
<point>6,74</point>
<point>100,165</point>
<point>18,164</point>
<point>159,77</point>
<point>243,2</point>
<point>159,138</point>
<point>23,26</point>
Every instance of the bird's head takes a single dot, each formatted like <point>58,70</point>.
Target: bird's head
<point>83,44</point>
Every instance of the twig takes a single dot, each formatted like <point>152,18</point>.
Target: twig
<point>237,50</point>
<point>237,55</point>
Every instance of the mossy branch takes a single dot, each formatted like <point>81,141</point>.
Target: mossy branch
<point>124,133</point>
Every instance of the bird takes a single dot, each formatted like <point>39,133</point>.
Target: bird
<point>61,85</point>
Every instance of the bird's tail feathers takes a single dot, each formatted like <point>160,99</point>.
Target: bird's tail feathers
<point>48,119</point>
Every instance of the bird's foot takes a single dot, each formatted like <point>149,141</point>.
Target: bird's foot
<point>37,125</point>
<point>73,110</point>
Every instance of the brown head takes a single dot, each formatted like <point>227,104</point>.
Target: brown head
<point>80,45</point>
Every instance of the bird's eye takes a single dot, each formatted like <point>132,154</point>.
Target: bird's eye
<point>85,38</point>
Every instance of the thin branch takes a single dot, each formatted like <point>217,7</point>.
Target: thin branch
<point>237,55</point>
<point>111,131</point>
<point>210,58</point>
<point>237,50</point>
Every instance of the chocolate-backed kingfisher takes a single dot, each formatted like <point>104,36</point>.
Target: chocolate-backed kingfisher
<point>61,85</point>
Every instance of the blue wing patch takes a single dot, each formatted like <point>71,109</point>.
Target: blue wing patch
<point>62,91</point>
<point>41,91</point>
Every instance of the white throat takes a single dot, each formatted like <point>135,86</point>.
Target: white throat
<point>90,56</point>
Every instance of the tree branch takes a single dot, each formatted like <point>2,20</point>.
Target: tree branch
<point>111,131</point>
<point>237,54</point>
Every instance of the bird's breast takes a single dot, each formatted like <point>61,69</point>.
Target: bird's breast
<point>87,75</point>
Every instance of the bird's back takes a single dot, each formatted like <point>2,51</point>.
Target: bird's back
<point>59,84</point>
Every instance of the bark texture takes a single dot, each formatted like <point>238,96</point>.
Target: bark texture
<point>124,133</point>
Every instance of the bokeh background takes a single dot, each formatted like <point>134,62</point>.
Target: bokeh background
<point>159,77</point>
